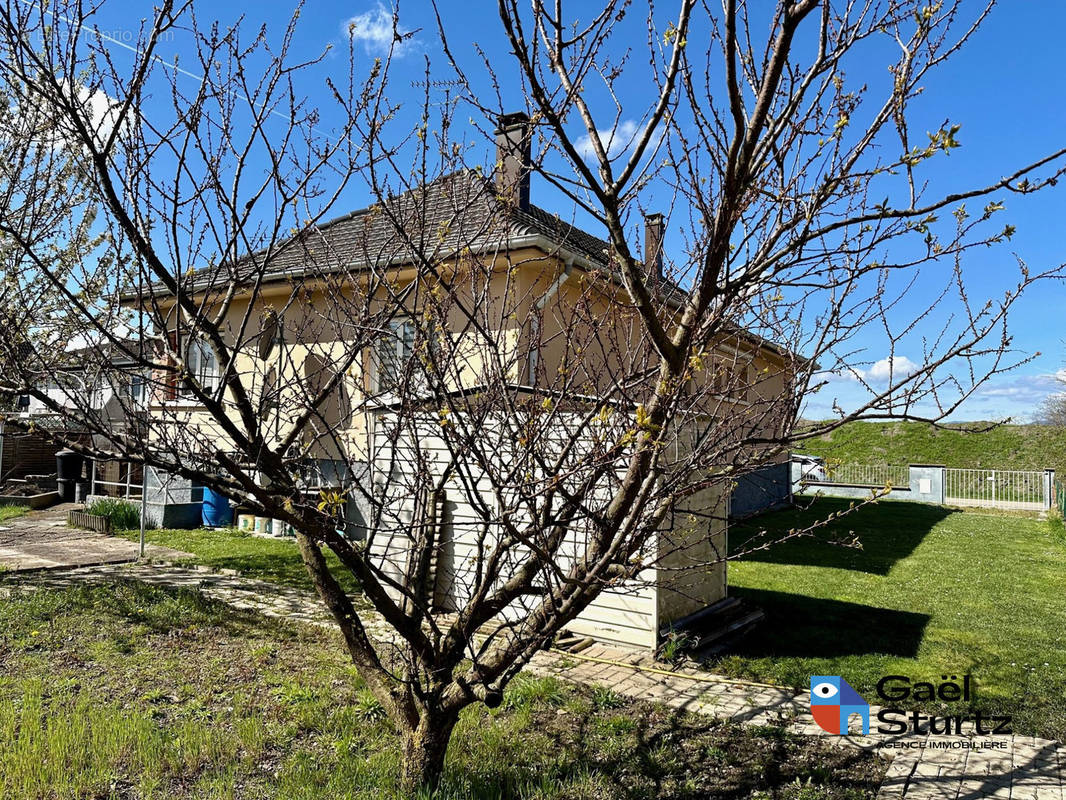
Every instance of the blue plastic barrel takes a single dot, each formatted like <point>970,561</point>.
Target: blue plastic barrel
<point>216,510</point>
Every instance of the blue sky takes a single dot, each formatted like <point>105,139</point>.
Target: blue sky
<point>1006,89</point>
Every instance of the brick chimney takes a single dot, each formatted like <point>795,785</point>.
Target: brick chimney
<point>513,158</point>
<point>654,230</point>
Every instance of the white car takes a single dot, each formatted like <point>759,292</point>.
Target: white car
<point>812,468</point>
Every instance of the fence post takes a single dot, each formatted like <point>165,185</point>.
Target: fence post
<point>1049,488</point>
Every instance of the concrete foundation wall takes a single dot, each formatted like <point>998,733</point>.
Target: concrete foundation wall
<point>162,515</point>
<point>927,483</point>
<point>174,515</point>
<point>764,489</point>
<point>172,501</point>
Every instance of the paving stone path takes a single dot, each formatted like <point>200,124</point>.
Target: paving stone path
<point>922,768</point>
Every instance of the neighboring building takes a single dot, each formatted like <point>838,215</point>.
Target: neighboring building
<point>105,381</point>
<point>96,381</point>
<point>94,378</point>
<point>546,266</point>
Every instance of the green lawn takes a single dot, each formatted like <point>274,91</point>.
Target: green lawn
<point>1026,447</point>
<point>10,512</point>
<point>275,560</point>
<point>129,691</point>
<point>921,591</point>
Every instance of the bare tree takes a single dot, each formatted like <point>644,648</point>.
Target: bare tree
<point>1052,411</point>
<point>513,417</point>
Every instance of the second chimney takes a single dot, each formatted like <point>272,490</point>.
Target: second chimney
<point>513,158</point>
<point>654,230</point>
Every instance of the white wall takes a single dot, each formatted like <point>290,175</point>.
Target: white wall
<point>629,614</point>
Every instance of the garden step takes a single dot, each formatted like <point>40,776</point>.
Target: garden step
<point>721,637</point>
<point>717,625</point>
<point>697,618</point>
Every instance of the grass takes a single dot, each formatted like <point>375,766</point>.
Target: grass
<point>125,690</point>
<point>274,560</point>
<point>1022,447</point>
<point>11,511</point>
<point>121,513</point>
<point>911,589</point>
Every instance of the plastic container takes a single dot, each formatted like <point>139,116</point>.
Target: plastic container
<point>246,522</point>
<point>69,465</point>
<point>279,527</point>
<point>68,473</point>
<point>216,509</point>
<point>262,525</point>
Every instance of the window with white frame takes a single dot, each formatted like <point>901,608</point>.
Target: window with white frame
<point>202,365</point>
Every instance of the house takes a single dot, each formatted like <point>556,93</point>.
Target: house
<point>99,381</point>
<point>95,378</point>
<point>531,298</point>
<point>105,381</point>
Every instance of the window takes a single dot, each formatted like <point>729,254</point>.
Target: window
<point>202,364</point>
<point>392,352</point>
<point>137,388</point>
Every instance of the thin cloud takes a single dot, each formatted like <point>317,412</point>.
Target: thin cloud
<point>376,32</point>
<point>1021,393</point>
<point>881,371</point>
<point>615,141</point>
<point>1016,396</point>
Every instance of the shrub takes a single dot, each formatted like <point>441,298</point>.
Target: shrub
<point>123,514</point>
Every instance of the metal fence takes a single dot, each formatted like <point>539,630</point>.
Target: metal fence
<point>876,475</point>
<point>1023,490</point>
<point>126,488</point>
<point>996,488</point>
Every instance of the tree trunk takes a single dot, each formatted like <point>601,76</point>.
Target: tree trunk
<point>423,753</point>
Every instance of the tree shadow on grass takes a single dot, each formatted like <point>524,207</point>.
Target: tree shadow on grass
<point>870,539</point>
<point>797,626</point>
<point>651,751</point>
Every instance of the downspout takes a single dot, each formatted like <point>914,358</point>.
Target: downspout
<point>535,326</point>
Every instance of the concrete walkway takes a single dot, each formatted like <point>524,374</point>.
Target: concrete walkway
<point>922,768</point>
<point>42,540</point>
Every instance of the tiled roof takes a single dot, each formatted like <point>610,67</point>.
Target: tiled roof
<point>455,211</point>
<point>434,221</point>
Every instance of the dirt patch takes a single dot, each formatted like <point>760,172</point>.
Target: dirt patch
<point>42,540</point>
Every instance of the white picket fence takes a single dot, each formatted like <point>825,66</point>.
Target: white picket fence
<point>1023,490</point>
